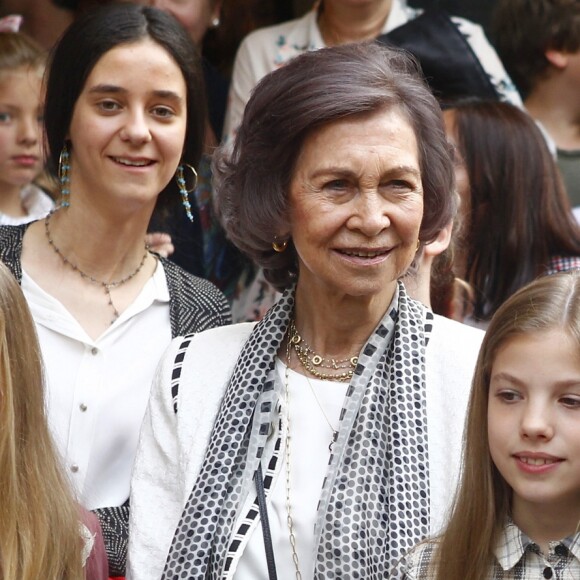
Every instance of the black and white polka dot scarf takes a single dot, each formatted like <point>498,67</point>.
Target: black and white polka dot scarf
<point>374,504</point>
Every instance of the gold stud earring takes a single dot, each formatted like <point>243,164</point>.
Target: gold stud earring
<point>279,246</point>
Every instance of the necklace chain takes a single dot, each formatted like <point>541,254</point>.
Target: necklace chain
<point>312,361</point>
<point>105,285</point>
<point>289,520</point>
<point>334,431</point>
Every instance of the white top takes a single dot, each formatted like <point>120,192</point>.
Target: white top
<point>266,49</point>
<point>97,390</point>
<point>172,446</point>
<point>36,203</point>
<point>309,454</point>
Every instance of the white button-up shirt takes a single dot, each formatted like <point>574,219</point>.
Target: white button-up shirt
<point>97,390</point>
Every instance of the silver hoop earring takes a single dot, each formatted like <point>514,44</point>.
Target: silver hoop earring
<point>183,189</point>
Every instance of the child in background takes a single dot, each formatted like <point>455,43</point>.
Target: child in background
<point>41,535</point>
<point>21,159</point>
<point>517,511</point>
<point>539,43</point>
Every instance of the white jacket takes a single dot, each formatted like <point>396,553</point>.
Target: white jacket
<point>172,446</point>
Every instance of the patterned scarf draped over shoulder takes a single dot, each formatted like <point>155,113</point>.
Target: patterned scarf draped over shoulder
<point>374,504</point>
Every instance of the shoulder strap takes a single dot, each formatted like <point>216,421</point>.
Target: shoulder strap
<point>270,560</point>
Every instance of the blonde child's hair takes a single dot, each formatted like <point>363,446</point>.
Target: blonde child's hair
<point>39,531</point>
<point>483,500</point>
<point>20,52</point>
<point>17,50</point>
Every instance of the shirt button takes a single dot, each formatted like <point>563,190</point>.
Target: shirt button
<point>74,467</point>
<point>83,407</point>
<point>94,350</point>
<point>547,572</point>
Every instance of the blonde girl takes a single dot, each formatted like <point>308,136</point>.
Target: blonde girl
<point>40,535</point>
<point>517,508</point>
<point>21,159</point>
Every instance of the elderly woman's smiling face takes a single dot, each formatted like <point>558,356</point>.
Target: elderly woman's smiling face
<point>356,205</point>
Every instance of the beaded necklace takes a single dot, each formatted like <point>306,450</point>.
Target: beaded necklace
<point>105,285</point>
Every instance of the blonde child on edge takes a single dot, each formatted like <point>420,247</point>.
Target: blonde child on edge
<point>21,159</point>
<point>44,534</point>
<point>517,510</point>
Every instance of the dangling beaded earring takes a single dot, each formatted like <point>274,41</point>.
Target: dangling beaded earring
<point>63,176</point>
<point>183,190</point>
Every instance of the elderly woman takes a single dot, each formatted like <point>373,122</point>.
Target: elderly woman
<point>331,428</point>
<point>336,22</point>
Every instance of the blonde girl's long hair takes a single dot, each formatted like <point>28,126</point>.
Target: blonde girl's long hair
<point>39,530</point>
<point>482,503</point>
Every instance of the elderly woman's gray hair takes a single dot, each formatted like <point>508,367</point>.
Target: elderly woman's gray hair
<point>252,182</point>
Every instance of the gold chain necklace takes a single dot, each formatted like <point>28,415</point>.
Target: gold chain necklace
<point>312,362</point>
<point>106,285</point>
<point>289,520</point>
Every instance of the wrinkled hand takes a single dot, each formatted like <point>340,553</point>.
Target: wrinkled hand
<point>160,244</point>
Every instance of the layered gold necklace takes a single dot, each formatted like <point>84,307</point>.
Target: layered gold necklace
<point>314,363</point>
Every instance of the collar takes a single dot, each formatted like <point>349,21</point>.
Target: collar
<point>36,202</point>
<point>512,544</point>
<point>573,544</point>
<point>400,14</point>
<point>160,291</point>
<point>52,314</point>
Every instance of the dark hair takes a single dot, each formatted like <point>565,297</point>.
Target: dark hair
<point>93,35</point>
<point>520,214</point>
<point>524,29</point>
<point>312,90</point>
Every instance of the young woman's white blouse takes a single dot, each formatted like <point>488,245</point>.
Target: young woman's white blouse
<point>97,390</point>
